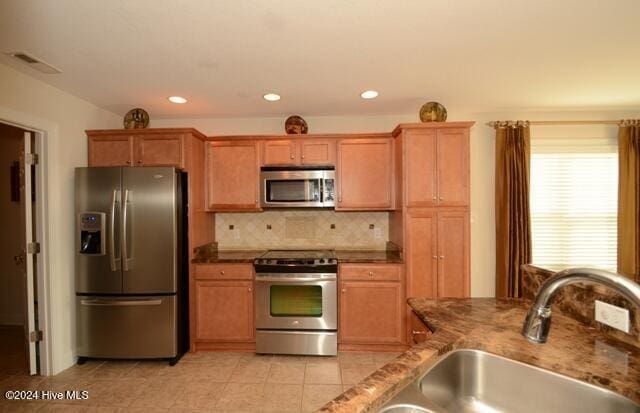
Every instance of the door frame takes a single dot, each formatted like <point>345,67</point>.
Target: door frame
<point>44,132</point>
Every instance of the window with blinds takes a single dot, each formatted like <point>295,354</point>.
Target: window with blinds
<point>574,195</point>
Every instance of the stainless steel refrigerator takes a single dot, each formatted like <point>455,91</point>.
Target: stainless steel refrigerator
<point>131,267</point>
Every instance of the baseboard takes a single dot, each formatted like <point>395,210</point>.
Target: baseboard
<point>373,347</point>
<point>223,346</point>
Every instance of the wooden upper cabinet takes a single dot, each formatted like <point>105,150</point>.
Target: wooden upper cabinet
<point>364,174</point>
<point>371,312</point>
<point>318,152</point>
<point>141,147</point>
<point>280,152</point>
<point>421,169</point>
<point>421,252</point>
<point>453,253</point>
<point>159,150</point>
<point>111,150</point>
<point>305,151</point>
<point>453,167</point>
<point>437,167</point>
<point>233,170</point>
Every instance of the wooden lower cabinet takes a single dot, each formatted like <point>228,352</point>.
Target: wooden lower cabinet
<point>224,310</point>
<point>371,313</point>
<point>222,307</point>
<point>437,252</point>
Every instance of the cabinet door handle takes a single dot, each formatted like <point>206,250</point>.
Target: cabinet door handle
<point>441,198</point>
<point>370,273</point>
<point>139,160</point>
<point>221,272</point>
<point>128,162</point>
<point>249,289</point>
<point>442,257</point>
<point>302,156</point>
<point>417,333</point>
<point>435,257</point>
<point>344,290</point>
<point>292,156</point>
<point>435,198</point>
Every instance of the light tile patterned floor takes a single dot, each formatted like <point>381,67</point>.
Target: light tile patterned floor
<point>201,382</point>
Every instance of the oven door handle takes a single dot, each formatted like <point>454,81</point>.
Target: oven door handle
<point>293,279</point>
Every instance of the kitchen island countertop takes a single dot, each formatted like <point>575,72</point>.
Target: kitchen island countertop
<point>493,325</point>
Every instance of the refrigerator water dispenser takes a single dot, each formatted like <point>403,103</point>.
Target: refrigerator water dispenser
<point>92,233</point>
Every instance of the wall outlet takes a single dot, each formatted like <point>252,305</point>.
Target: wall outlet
<point>613,316</point>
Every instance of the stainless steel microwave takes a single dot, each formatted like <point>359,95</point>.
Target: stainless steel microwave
<point>286,187</point>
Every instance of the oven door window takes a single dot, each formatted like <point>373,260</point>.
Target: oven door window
<point>293,190</point>
<point>296,300</point>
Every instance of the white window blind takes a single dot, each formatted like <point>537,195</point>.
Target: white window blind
<point>574,196</point>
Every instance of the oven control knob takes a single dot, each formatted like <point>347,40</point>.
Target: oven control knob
<point>321,261</point>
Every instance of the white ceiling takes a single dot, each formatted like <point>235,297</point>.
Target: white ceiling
<point>489,55</point>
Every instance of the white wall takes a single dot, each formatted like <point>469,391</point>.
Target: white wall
<point>482,159</point>
<point>25,100</point>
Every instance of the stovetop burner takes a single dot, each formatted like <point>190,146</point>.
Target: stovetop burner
<point>298,254</point>
<point>288,260</point>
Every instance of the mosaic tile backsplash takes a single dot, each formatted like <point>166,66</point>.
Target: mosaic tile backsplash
<point>302,229</point>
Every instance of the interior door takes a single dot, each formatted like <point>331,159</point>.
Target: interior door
<point>149,230</point>
<point>98,191</point>
<point>29,238</point>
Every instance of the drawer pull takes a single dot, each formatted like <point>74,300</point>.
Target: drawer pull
<point>222,272</point>
<point>417,333</point>
<point>249,289</point>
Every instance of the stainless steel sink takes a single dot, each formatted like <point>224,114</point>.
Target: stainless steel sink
<point>475,381</point>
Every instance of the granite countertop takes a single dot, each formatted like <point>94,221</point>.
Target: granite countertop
<point>210,254</point>
<point>494,325</point>
<point>369,256</point>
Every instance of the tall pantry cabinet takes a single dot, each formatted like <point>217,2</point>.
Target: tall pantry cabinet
<point>433,210</point>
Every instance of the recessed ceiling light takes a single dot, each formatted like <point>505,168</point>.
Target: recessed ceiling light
<point>177,99</point>
<point>369,94</point>
<point>271,97</point>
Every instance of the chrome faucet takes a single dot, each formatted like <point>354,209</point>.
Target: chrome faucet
<point>538,321</point>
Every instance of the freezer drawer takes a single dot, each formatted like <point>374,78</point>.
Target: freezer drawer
<point>127,327</point>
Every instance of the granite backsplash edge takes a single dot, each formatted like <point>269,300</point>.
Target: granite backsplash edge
<point>578,302</point>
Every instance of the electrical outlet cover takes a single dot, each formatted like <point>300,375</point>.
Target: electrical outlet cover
<point>613,316</point>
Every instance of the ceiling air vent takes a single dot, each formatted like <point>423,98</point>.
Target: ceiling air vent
<point>34,62</point>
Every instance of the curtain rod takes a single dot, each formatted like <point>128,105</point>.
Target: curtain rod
<point>571,122</point>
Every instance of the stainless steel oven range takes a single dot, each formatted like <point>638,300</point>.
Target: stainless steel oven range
<point>296,302</point>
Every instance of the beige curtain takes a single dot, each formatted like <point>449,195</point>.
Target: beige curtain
<point>629,199</point>
<point>513,230</point>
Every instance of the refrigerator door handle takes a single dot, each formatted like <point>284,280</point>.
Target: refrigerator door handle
<point>125,253</point>
<point>112,235</point>
<point>121,303</point>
